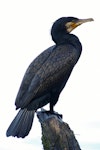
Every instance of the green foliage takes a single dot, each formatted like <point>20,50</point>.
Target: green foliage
<point>45,142</point>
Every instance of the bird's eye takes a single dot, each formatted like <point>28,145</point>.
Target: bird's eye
<point>74,20</point>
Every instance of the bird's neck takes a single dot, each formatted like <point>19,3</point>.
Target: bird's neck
<point>68,39</point>
<point>74,40</point>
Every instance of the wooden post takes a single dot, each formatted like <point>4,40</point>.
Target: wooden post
<point>56,134</point>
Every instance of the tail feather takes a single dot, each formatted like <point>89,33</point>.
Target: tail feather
<point>22,123</point>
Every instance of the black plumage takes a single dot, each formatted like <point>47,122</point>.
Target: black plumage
<point>47,75</point>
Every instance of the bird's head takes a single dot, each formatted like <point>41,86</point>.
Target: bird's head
<point>66,25</point>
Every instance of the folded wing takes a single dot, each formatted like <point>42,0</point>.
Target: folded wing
<point>49,70</point>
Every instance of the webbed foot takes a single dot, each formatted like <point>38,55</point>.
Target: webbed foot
<point>60,116</point>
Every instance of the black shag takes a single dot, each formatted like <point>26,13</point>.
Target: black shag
<point>47,75</point>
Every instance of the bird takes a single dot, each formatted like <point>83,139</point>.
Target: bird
<point>47,75</point>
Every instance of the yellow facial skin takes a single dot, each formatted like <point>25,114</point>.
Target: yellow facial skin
<point>75,23</point>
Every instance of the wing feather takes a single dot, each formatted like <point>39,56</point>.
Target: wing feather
<point>57,65</point>
<point>29,76</point>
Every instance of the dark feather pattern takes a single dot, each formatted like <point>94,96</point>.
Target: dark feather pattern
<point>22,123</point>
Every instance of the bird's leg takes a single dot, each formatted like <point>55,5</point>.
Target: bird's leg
<point>53,112</point>
<point>51,109</point>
